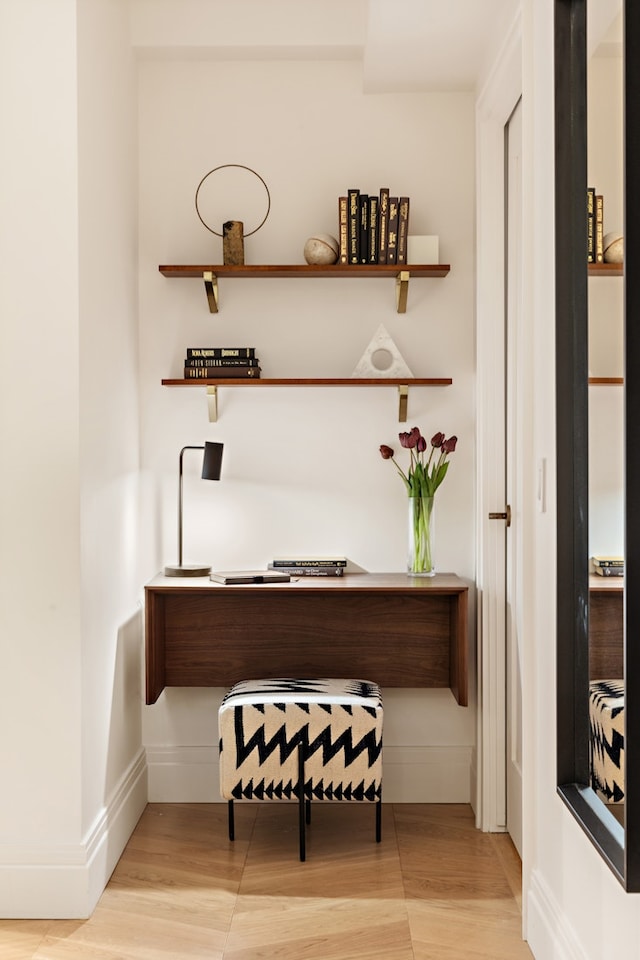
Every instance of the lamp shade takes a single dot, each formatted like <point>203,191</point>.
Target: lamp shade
<point>212,460</point>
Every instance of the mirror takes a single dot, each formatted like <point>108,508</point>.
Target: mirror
<point>605,415</point>
<point>618,840</point>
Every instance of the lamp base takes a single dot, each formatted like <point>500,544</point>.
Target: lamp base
<point>187,570</point>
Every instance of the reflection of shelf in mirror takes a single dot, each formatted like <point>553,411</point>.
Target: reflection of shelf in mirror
<point>606,269</point>
<point>605,381</point>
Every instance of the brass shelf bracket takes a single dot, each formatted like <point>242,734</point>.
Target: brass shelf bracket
<point>403,400</point>
<point>402,291</point>
<point>212,402</point>
<point>211,289</point>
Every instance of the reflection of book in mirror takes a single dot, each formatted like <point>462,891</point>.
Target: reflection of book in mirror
<point>249,576</point>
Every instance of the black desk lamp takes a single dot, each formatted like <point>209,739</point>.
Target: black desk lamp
<point>211,467</point>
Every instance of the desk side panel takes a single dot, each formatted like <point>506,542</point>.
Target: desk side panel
<point>459,667</point>
<point>155,635</point>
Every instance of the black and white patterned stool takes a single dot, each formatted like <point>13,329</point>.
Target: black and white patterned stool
<point>306,740</point>
<point>606,722</point>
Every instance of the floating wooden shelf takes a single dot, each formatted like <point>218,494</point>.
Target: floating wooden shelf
<point>605,381</point>
<point>606,269</point>
<point>401,273</point>
<point>402,384</point>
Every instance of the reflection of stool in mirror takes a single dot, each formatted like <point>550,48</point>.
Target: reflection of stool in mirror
<point>304,740</point>
<point>606,726</point>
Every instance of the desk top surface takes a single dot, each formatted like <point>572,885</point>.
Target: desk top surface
<point>441,583</point>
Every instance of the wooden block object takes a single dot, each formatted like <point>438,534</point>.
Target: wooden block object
<point>233,243</point>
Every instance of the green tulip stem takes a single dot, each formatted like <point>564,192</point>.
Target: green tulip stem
<point>421,536</point>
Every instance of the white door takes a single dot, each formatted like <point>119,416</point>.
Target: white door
<point>514,459</point>
<point>497,354</point>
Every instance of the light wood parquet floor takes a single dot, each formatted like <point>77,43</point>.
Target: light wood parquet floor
<point>434,888</point>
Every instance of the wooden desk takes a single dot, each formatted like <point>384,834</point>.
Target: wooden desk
<point>606,627</point>
<point>396,630</point>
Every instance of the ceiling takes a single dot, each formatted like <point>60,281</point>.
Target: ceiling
<point>417,45</point>
<point>404,45</point>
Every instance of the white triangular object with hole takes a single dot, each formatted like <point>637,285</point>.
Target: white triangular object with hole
<point>382,359</point>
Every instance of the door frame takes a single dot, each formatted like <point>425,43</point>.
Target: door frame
<point>495,105</point>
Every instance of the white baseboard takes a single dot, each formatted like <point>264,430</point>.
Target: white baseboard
<point>409,774</point>
<point>65,881</point>
<point>549,935</point>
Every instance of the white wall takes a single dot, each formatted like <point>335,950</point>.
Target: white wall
<point>574,907</point>
<point>302,471</point>
<point>113,767</point>
<point>73,772</point>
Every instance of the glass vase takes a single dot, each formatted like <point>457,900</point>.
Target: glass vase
<point>421,562</point>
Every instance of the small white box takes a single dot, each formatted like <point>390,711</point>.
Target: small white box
<point>423,250</point>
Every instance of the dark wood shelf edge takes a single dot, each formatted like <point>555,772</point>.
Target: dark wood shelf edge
<point>313,382</point>
<point>605,381</point>
<point>434,270</point>
<point>605,269</point>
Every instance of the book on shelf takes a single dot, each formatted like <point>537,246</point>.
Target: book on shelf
<point>363,226</point>
<point>354,225</point>
<point>249,576</point>
<point>343,230</point>
<point>609,571</point>
<point>591,223</point>
<point>328,570</point>
<point>392,233</point>
<point>383,224</point>
<point>403,229</point>
<point>605,561</point>
<point>220,352</point>
<point>220,373</point>
<point>599,238</point>
<point>308,562</point>
<point>374,203</point>
<point>221,362</point>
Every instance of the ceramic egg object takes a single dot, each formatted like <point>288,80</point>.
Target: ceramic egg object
<point>321,248</point>
<point>613,244</point>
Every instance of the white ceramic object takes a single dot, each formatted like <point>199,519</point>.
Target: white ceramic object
<point>382,359</point>
<point>321,248</point>
<point>613,244</point>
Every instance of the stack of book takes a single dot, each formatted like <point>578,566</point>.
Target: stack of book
<point>608,566</point>
<point>214,363</point>
<point>595,226</point>
<point>309,566</point>
<point>373,228</point>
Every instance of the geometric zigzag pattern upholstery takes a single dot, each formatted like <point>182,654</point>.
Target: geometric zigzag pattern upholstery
<point>606,722</point>
<point>337,722</point>
<point>304,740</point>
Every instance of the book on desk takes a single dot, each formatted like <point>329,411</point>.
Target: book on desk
<point>249,576</point>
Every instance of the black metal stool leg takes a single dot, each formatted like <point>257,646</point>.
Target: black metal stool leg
<point>379,820</point>
<point>232,831</point>
<point>301,803</point>
<point>308,802</point>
